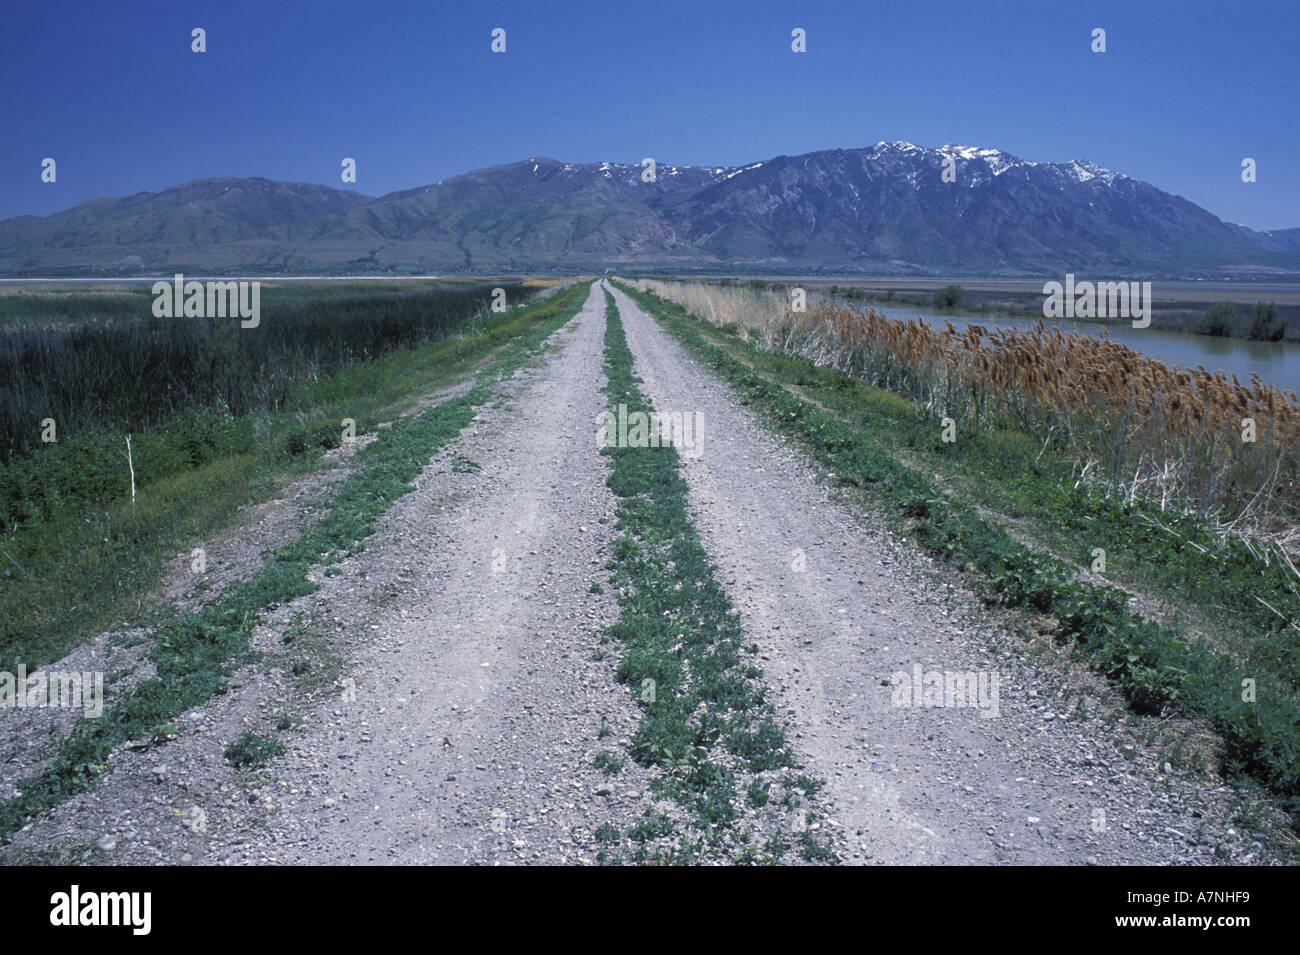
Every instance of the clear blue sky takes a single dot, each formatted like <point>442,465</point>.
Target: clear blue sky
<point>412,92</point>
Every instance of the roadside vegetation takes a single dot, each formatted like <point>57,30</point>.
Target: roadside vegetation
<point>194,654</point>
<point>1187,441</point>
<point>1009,477</point>
<point>78,551</point>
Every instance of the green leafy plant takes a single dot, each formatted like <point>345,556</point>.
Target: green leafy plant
<point>250,750</point>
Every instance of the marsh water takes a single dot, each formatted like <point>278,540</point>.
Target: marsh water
<point>1276,362</point>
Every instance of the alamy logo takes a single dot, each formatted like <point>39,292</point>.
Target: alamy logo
<point>53,688</point>
<point>1098,300</point>
<point>655,429</point>
<point>103,908</point>
<point>976,689</point>
<point>182,299</point>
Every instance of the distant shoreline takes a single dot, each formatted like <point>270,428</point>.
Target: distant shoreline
<point>1178,306</point>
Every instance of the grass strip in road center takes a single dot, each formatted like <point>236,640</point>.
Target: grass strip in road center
<point>706,721</point>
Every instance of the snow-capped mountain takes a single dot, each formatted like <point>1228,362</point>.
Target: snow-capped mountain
<point>891,207</point>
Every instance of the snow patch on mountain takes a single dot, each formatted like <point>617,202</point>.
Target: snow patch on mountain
<point>1081,170</point>
<point>737,172</point>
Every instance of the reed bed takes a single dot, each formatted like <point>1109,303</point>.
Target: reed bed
<point>1147,430</point>
<point>117,368</point>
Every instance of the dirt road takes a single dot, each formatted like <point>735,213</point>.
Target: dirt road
<point>476,688</point>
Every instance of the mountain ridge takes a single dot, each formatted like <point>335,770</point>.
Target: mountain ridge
<point>886,208</point>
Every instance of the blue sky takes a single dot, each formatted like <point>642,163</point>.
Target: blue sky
<point>413,93</point>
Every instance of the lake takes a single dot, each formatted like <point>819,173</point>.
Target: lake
<point>1276,362</point>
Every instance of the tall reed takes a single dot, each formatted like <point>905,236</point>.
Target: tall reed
<point>131,373</point>
<point>1151,431</point>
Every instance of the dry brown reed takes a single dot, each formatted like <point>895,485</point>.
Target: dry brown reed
<point>1153,431</point>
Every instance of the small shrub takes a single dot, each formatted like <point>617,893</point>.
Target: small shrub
<point>949,296</point>
<point>251,750</point>
<point>607,761</point>
<point>1219,320</point>
<point>1265,326</point>
<point>653,825</point>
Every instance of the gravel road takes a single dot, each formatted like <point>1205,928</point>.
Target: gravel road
<point>468,690</point>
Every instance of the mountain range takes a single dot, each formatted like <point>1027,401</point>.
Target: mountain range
<point>883,209</point>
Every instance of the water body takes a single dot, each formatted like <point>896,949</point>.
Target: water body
<point>1276,362</point>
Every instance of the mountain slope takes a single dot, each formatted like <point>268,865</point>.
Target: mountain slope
<point>520,215</point>
<point>889,206</point>
<point>176,225</point>
<point>884,208</point>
